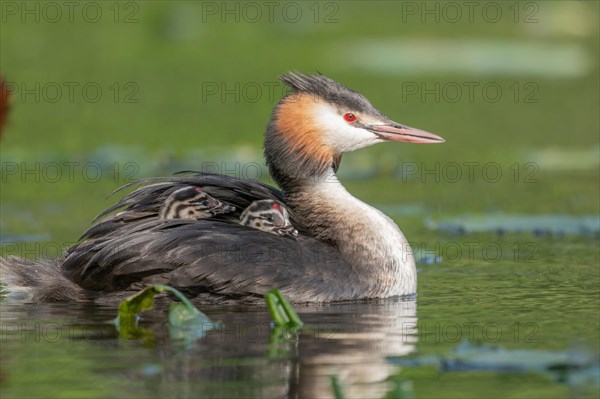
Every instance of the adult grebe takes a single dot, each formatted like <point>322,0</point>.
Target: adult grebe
<point>346,249</point>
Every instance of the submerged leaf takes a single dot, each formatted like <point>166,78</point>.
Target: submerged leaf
<point>180,314</point>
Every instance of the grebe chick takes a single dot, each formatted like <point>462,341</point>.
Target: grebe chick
<point>270,216</point>
<point>192,202</point>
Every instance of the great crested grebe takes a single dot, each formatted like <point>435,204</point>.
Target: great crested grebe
<point>270,216</point>
<point>346,249</point>
<point>192,203</point>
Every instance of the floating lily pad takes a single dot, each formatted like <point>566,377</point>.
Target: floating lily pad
<point>427,257</point>
<point>576,367</point>
<point>539,225</point>
<point>475,57</point>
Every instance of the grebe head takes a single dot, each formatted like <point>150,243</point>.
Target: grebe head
<point>320,120</point>
<point>192,202</point>
<point>269,216</point>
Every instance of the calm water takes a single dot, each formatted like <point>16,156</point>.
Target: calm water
<point>543,313</point>
<point>508,303</point>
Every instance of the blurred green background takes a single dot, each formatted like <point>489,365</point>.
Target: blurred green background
<point>109,91</point>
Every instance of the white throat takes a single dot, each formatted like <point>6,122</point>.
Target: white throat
<point>364,235</point>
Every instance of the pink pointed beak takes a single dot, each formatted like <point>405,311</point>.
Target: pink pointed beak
<point>397,132</point>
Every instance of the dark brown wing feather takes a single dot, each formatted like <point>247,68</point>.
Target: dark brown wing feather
<point>214,258</point>
<point>211,257</point>
<point>145,202</point>
<point>233,191</point>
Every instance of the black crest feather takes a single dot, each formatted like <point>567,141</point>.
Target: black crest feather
<point>329,90</point>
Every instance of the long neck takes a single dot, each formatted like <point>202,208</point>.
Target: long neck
<point>363,236</point>
<point>304,167</point>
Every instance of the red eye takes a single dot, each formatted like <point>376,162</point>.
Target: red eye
<point>349,117</point>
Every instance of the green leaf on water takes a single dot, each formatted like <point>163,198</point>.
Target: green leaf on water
<point>140,301</point>
<point>132,306</point>
<point>287,322</point>
<point>185,320</point>
<point>336,387</point>
<point>282,313</point>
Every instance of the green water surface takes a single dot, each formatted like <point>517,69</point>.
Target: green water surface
<point>503,216</point>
